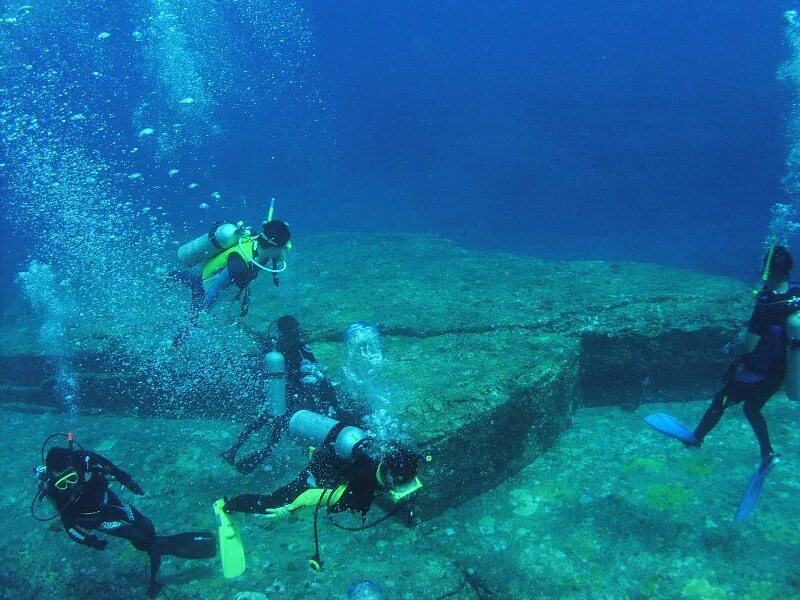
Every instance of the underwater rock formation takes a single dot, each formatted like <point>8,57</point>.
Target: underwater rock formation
<point>488,354</point>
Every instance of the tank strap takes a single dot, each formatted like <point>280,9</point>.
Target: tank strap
<point>212,235</point>
<point>330,439</point>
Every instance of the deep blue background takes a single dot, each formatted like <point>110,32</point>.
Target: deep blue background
<point>642,130</point>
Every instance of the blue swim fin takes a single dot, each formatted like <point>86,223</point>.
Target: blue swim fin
<point>671,427</point>
<point>753,490</point>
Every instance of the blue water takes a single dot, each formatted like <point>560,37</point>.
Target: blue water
<point>637,130</point>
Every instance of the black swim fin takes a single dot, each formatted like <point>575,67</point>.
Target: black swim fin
<point>192,544</point>
<point>252,461</point>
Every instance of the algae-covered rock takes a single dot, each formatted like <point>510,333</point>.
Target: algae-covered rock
<point>667,496</point>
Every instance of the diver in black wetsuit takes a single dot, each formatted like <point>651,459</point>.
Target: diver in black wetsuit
<point>306,387</point>
<point>76,482</point>
<point>348,471</point>
<point>760,365</point>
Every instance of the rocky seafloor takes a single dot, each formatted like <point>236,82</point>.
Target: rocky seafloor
<point>526,381</point>
<point>488,354</point>
<point>612,510</point>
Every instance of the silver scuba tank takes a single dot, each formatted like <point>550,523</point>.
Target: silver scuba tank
<point>792,379</point>
<point>221,236</point>
<point>275,384</point>
<point>313,428</point>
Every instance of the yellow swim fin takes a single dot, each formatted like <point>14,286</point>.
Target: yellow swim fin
<point>231,551</point>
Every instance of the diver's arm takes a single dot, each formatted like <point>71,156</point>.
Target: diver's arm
<point>98,462</point>
<point>745,345</point>
<point>284,500</point>
<point>314,496</point>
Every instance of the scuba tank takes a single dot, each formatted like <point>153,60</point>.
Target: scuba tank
<point>315,429</point>
<point>275,385</point>
<point>793,357</point>
<point>220,237</point>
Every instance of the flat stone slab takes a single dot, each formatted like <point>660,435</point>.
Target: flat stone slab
<point>487,354</point>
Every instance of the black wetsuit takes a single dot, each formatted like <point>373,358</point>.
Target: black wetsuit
<point>756,376</point>
<point>319,396</point>
<point>325,471</point>
<point>90,505</point>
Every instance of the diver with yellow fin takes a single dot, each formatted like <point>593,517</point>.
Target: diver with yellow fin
<point>768,352</point>
<point>348,471</point>
<point>232,254</point>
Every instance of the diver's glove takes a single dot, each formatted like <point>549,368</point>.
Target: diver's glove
<point>127,481</point>
<point>311,372</point>
<point>276,515</point>
<point>95,542</point>
<point>135,487</point>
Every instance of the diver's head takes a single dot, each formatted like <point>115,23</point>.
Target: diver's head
<point>289,334</point>
<point>780,264</point>
<point>63,468</point>
<point>397,472</point>
<point>274,234</point>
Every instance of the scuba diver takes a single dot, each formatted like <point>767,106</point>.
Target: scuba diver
<point>76,482</point>
<point>757,371</point>
<point>294,381</point>
<point>348,471</point>
<point>233,255</point>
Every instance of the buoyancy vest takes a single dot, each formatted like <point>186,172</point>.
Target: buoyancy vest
<point>246,249</point>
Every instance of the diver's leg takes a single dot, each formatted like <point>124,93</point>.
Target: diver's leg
<point>257,503</point>
<point>250,462</point>
<point>249,429</point>
<point>195,284</point>
<point>713,414</point>
<point>221,281</point>
<point>122,520</point>
<point>761,392</point>
<point>154,586</point>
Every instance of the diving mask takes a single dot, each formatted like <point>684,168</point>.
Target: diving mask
<point>65,479</point>
<point>402,492</point>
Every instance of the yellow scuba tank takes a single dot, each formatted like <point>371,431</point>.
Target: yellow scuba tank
<point>275,385</point>
<point>792,379</point>
<point>222,236</point>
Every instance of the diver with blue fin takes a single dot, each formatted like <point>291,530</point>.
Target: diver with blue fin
<point>768,353</point>
<point>76,482</point>
<point>348,471</point>
<point>232,254</point>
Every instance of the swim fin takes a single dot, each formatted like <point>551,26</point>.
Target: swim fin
<point>753,491</point>
<point>231,551</point>
<point>671,427</point>
<point>252,461</point>
<point>193,544</point>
